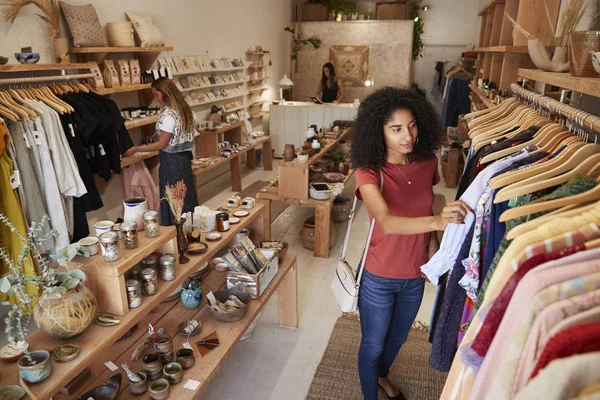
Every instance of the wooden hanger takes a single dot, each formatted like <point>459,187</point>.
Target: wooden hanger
<point>7,101</point>
<point>490,121</point>
<point>569,211</point>
<point>590,195</point>
<point>53,97</point>
<point>8,114</point>
<point>45,95</point>
<point>457,69</point>
<point>36,110</point>
<point>511,150</point>
<point>594,171</point>
<point>82,88</point>
<point>510,121</point>
<point>521,123</point>
<point>593,244</point>
<point>88,87</point>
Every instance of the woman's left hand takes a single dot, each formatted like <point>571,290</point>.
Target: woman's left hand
<point>131,151</point>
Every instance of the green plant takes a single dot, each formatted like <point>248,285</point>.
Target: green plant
<point>303,152</point>
<point>54,283</point>
<point>298,43</point>
<point>419,28</point>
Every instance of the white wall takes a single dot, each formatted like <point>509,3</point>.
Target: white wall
<point>451,27</point>
<point>193,27</point>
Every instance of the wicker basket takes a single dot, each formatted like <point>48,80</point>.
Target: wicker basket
<point>307,234</point>
<point>120,34</point>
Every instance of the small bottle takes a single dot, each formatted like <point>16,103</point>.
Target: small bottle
<point>151,224</point>
<point>110,244</point>
<point>167,267</point>
<point>149,283</point>
<point>222,222</point>
<point>129,234</point>
<point>134,293</point>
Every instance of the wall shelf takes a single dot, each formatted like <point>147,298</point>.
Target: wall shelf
<point>97,50</point>
<point>123,89</point>
<point>236,109</point>
<point>138,122</point>
<point>503,49</point>
<point>127,161</point>
<point>259,115</point>
<point>476,91</point>
<point>256,53</point>
<point>258,90</point>
<point>589,86</point>
<point>42,67</point>
<point>191,89</point>
<point>209,71</point>
<point>257,81</point>
<point>216,100</point>
<point>257,103</point>
<point>490,4</point>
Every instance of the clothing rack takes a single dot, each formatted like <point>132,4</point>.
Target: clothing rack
<point>584,119</point>
<point>37,79</point>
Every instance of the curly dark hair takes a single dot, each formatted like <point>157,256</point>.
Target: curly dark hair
<point>368,142</point>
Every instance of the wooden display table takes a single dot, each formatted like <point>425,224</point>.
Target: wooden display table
<point>97,340</point>
<point>207,145</point>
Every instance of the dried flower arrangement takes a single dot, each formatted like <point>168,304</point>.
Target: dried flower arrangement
<point>50,13</point>
<point>175,196</point>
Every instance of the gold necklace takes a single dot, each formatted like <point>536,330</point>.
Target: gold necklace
<point>409,173</point>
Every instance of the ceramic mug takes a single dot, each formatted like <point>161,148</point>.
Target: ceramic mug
<point>135,207</point>
<point>139,387</point>
<point>173,372</point>
<point>186,358</point>
<point>103,227</point>
<point>91,244</point>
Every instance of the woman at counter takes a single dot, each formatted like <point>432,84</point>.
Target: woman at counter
<point>331,89</point>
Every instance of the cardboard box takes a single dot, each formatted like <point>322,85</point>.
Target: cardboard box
<point>256,284</point>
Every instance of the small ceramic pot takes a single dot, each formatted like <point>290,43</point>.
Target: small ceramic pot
<point>289,153</point>
<point>191,293</point>
<point>166,358</point>
<point>38,372</point>
<point>163,345</point>
<point>151,363</point>
<point>135,207</point>
<point>91,244</point>
<point>186,358</point>
<point>173,372</point>
<point>139,387</point>
<point>153,376</point>
<point>302,158</point>
<point>159,390</point>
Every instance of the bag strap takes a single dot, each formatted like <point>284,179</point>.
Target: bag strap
<point>347,236</point>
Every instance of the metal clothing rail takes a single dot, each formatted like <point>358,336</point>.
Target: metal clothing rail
<point>37,79</point>
<point>584,120</point>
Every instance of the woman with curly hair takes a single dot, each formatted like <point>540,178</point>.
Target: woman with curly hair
<point>396,134</point>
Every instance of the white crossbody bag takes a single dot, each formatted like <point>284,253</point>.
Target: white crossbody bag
<point>344,285</point>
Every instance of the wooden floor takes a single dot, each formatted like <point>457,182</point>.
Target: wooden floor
<point>279,363</point>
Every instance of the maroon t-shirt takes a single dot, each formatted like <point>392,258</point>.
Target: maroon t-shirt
<point>401,256</point>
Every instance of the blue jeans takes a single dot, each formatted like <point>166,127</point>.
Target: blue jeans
<point>387,307</point>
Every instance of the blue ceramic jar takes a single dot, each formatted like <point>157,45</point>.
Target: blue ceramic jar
<point>191,293</point>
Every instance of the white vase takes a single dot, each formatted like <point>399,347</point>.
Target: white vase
<point>316,145</point>
<point>539,56</point>
<point>134,209</point>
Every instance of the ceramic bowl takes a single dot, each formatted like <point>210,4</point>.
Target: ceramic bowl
<point>159,390</point>
<point>37,372</point>
<point>320,194</point>
<point>14,392</point>
<point>235,315</point>
<point>596,61</point>
<point>151,363</point>
<point>107,391</point>
<point>27,58</point>
<point>173,372</point>
<point>139,387</point>
<point>91,244</point>
<point>186,358</point>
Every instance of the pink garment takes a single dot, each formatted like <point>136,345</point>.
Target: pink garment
<point>545,321</point>
<point>138,183</point>
<point>536,280</point>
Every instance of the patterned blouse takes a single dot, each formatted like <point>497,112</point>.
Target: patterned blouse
<point>180,140</point>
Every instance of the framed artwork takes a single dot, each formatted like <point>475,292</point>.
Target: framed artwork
<point>351,64</point>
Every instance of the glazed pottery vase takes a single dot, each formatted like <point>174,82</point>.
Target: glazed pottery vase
<point>582,46</point>
<point>67,316</point>
<point>191,293</point>
<point>182,244</point>
<point>35,368</point>
<point>539,56</point>
<point>289,153</point>
<point>134,209</point>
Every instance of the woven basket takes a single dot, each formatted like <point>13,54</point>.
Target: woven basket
<point>120,34</point>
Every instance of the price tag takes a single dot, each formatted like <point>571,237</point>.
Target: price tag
<point>102,152</point>
<point>26,141</point>
<point>36,137</point>
<point>15,179</point>
<point>191,384</point>
<point>111,365</point>
<point>187,345</point>
<point>72,130</point>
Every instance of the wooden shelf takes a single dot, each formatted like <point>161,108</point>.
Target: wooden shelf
<point>256,53</point>
<point>259,115</point>
<point>258,90</point>
<point>488,5</point>
<point>258,103</point>
<point>201,171</point>
<point>258,81</point>
<point>324,150</point>
<point>236,109</point>
<point>589,86</point>
<point>503,49</point>
<point>204,103</point>
<point>123,89</point>
<point>42,67</point>
<point>95,342</point>
<point>127,161</point>
<point>256,66</point>
<point>478,93</point>
<point>220,131</point>
<point>138,122</point>
<point>191,89</point>
<point>97,50</point>
<point>209,71</point>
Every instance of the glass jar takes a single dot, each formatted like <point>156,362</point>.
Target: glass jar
<point>167,268</point>
<point>150,262</point>
<point>149,282</point>
<point>129,234</point>
<point>151,224</point>
<point>222,222</point>
<point>135,272</point>
<point>134,293</point>
<point>110,244</point>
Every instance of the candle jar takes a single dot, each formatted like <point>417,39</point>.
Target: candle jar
<point>110,244</point>
<point>222,222</point>
<point>167,268</point>
<point>150,262</point>
<point>151,224</point>
<point>149,282</point>
<point>129,234</point>
<point>134,293</point>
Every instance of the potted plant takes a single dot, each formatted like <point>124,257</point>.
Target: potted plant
<point>314,10</point>
<point>71,317</point>
<point>303,156</point>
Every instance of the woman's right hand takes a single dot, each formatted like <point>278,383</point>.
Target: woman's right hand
<point>453,213</point>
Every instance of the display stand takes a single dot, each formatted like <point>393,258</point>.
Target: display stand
<point>207,145</point>
<point>293,188</point>
<point>96,340</point>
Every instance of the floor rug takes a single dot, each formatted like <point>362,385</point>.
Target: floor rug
<point>252,190</point>
<point>336,376</point>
